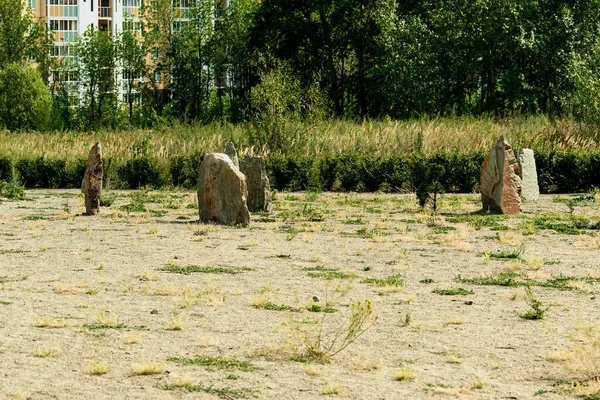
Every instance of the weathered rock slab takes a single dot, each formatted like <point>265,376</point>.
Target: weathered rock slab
<point>259,188</point>
<point>91,186</point>
<point>500,183</point>
<point>232,153</point>
<point>222,191</point>
<point>529,178</point>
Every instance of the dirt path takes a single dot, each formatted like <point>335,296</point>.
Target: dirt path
<point>82,294</point>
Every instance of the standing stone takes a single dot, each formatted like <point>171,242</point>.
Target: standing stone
<point>232,153</point>
<point>529,178</point>
<point>91,186</point>
<point>499,180</point>
<point>222,191</point>
<point>259,189</point>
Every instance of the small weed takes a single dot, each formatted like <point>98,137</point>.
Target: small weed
<point>392,280</point>
<point>217,362</point>
<point>537,307</point>
<point>332,275</point>
<point>318,308</point>
<point>453,292</point>
<point>332,389</point>
<point>273,307</point>
<point>225,392</point>
<point>191,269</point>
<point>504,254</point>
<point>427,280</point>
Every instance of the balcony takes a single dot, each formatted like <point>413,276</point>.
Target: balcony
<point>104,12</point>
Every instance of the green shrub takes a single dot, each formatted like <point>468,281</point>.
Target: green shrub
<point>184,169</point>
<point>6,169</point>
<point>25,101</point>
<point>12,190</point>
<point>141,171</point>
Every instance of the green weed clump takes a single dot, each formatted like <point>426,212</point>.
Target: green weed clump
<point>217,362</point>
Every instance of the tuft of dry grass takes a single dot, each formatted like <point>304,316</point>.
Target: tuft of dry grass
<point>45,352</point>
<point>97,368</point>
<point>404,374</point>
<point>148,368</point>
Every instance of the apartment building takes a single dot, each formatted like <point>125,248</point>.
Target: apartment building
<point>69,18</point>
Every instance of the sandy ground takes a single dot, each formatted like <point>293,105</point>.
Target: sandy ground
<point>81,294</point>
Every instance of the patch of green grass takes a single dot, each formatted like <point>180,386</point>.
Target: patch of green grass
<point>332,275</point>
<point>453,292</point>
<point>504,254</point>
<point>274,307</point>
<point>510,279</point>
<point>439,230</point>
<point>191,269</point>
<point>217,362</point>
<point>35,218</point>
<point>93,327</point>
<point>12,251</point>
<point>318,308</point>
<point>305,212</point>
<point>133,207</point>
<point>552,262</point>
<point>356,221</point>
<point>479,221</point>
<point>392,280</point>
<point>158,213</point>
<point>427,280</point>
<point>107,199</point>
<point>224,392</point>
<point>5,303</point>
<point>319,269</point>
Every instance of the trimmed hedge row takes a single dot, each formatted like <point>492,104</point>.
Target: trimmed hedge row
<point>558,172</point>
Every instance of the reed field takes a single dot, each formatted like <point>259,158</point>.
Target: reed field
<point>429,136</point>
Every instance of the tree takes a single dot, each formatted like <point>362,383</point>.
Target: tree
<point>96,63</point>
<point>132,57</point>
<point>25,101</point>
<point>22,38</point>
<point>191,55</point>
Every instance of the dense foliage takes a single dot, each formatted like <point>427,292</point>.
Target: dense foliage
<point>559,172</point>
<point>279,60</point>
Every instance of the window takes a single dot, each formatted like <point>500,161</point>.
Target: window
<point>32,4</point>
<point>62,2</point>
<point>157,76</point>
<point>63,25</point>
<point>131,3</point>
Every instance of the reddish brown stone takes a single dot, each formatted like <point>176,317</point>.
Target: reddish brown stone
<point>91,186</point>
<point>500,183</point>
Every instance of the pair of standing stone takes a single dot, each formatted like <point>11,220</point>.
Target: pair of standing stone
<point>228,188</point>
<point>504,180</point>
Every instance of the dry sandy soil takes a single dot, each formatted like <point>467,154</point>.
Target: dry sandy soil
<point>89,304</point>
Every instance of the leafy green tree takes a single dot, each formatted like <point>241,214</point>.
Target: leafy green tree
<point>25,101</point>
<point>192,73</point>
<point>132,58</point>
<point>23,38</point>
<point>96,67</point>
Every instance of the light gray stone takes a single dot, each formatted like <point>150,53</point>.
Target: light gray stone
<point>500,183</point>
<point>91,185</point>
<point>232,153</point>
<point>529,178</point>
<point>222,191</point>
<point>259,188</point>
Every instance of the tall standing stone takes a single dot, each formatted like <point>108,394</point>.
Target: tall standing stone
<point>259,188</point>
<point>232,153</point>
<point>222,191</point>
<point>91,186</point>
<point>529,178</point>
<point>500,183</point>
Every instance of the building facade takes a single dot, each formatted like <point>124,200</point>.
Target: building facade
<point>67,19</point>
